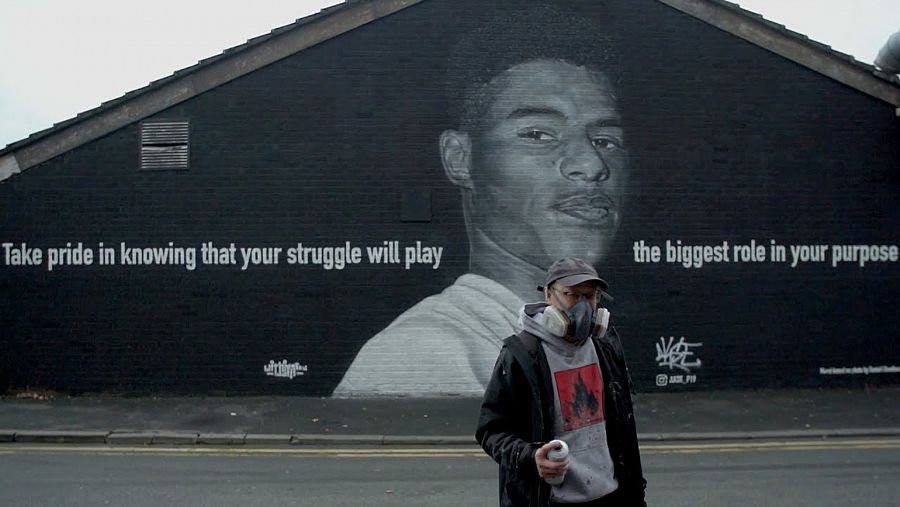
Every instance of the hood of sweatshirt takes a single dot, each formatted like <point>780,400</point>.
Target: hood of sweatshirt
<point>531,319</point>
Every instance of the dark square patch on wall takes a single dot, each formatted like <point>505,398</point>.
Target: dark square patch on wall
<point>415,206</point>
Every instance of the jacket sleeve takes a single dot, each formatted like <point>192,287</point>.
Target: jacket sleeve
<point>636,484</point>
<point>504,424</point>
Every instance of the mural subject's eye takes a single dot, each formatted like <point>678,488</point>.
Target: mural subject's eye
<point>606,143</point>
<point>537,135</point>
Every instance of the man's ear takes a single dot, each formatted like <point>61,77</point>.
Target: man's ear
<point>456,156</point>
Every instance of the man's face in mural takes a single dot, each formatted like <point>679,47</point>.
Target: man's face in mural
<point>544,168</point>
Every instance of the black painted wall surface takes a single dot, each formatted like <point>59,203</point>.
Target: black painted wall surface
<point>728,142</point>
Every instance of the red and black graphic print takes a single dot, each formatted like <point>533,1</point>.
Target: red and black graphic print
<point>580,393</point>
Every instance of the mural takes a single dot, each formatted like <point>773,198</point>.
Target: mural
<point>539,155</point>
<point>367,217</point>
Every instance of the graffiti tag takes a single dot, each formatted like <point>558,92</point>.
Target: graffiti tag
<point>676,354</point>
<point>285,369</point>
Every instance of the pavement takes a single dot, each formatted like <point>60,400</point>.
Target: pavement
<point>282,420</point>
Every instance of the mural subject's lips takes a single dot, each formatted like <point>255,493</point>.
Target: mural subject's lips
<point>591,208</point>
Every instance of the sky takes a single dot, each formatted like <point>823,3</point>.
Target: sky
<point>62,57</point>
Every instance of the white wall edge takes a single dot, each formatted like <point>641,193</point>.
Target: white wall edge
<point>8,166</point>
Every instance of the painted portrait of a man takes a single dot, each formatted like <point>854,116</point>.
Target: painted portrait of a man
<point>540,157</point>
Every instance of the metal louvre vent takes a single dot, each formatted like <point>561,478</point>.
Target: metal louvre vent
<point>164,145</point>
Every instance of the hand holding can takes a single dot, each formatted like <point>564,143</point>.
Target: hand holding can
<point>558,452</point>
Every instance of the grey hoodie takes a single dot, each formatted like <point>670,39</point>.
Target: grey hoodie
<point>580,421</point>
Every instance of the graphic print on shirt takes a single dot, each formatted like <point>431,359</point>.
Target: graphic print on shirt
<point>580,394</point>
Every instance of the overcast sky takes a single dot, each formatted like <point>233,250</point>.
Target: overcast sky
<point>61,57</point>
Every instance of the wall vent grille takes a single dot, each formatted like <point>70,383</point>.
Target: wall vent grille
<point>165,145</point>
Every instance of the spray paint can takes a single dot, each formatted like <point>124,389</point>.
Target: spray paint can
<point>559,453</point>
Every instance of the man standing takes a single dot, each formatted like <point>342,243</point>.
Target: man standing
<point>540,159</point>
<point>563,377</point>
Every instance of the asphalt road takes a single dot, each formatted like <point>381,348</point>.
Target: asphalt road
<point>795,473</point>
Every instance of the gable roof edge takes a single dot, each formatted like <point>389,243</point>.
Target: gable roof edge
<point>189,83</point>
<point>757,30</point>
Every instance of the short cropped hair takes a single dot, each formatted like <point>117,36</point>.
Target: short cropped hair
<point>524,32</point>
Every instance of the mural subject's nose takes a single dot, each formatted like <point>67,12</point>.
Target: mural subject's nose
<point>581,162</point>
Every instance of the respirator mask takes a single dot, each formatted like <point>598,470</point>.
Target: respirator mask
<point>578,323</point>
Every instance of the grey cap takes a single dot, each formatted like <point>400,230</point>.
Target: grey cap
<point>571,271</point>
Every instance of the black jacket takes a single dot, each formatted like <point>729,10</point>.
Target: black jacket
<point>517,416</point>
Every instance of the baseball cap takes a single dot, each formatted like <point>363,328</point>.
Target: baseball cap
<point>571,271</point>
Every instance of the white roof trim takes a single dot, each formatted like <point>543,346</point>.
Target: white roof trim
<point>8,166</point>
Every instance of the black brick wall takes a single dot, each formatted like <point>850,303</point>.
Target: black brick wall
<point>728,142</point>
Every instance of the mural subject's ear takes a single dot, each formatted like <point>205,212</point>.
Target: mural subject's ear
<point>456,156</point>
